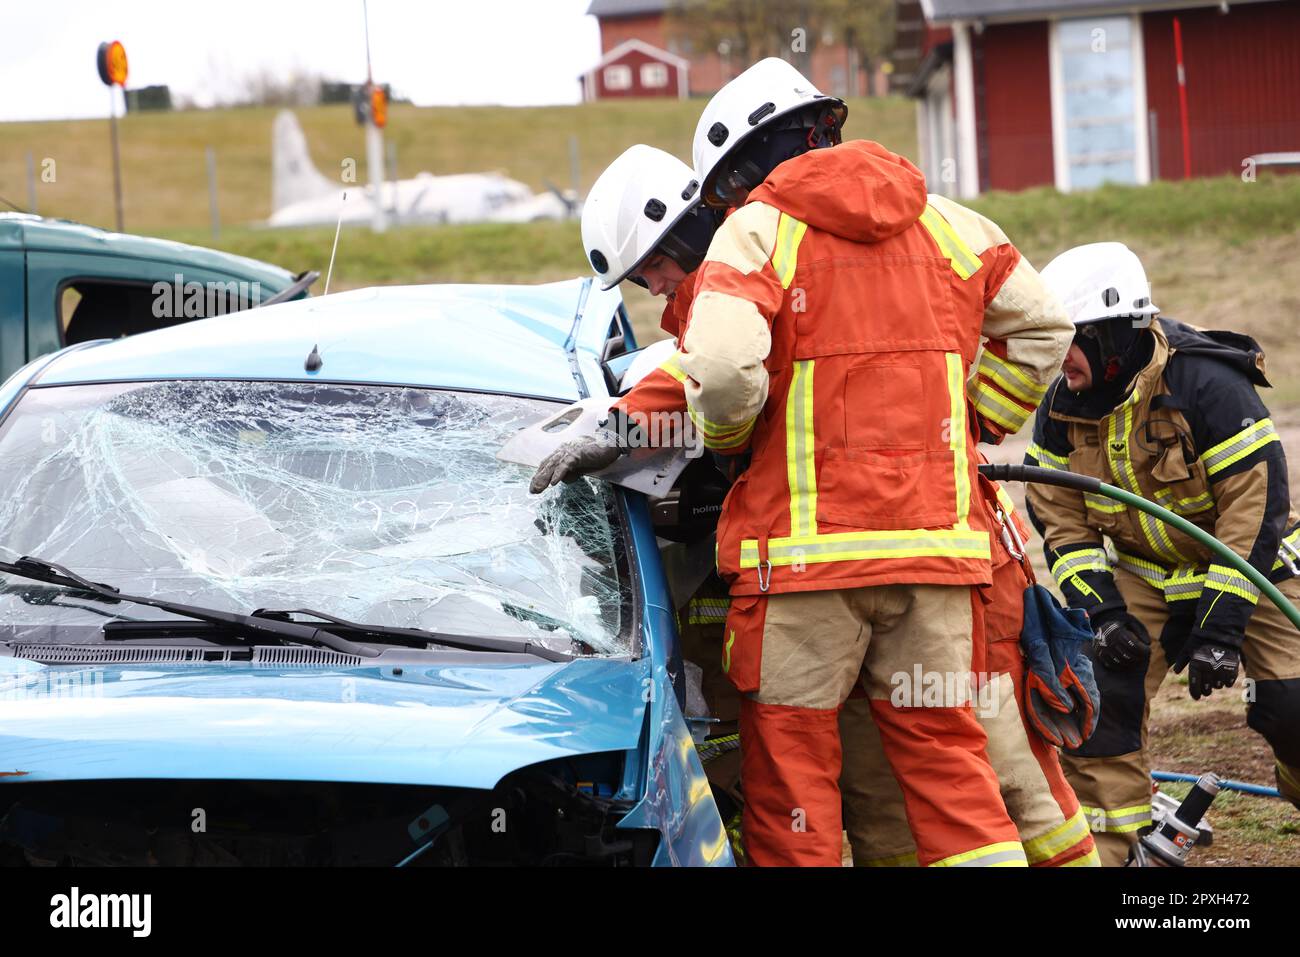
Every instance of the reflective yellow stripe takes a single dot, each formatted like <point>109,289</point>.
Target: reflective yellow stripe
<point>1003,854</point>
<point>1222,578</point>
<point>1008,506</point>
<point>1048,460</point>
<point>1119,821</point>
<point>1066,568</point>
<point>726,651</point>
<point>1183,583</point>
<point>1118,426</point>
<point>721,437</point>
<point>964,262</point>
<point>1178,583</point>
<point>714,428</point>
<point>859,546</point>
<point>713,747</point>
<point>800,445</point>
<point>898,860</point>
<point>1059,839</point>
<point>1091,859</point>
<point>707,611</point>
<point>1184,506</point>
<point>957,436</point>
<point>1010,377</point>
<point>1100,503</point>
<point>789,234</point>
<point>1150,572</point>
<point>994,405</point>
<point>1235,449</point>
<point>673,366</point>
<point>723,603</point>
<point>1081,560</point>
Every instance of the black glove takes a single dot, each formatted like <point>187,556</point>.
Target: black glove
<point>1212,661</point>
<point>1178,629</point>
<point>571,461</point>
<point>1122,642</point>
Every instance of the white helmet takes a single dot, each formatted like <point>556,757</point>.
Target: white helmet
<point>631,208</point>
<point>1100,281</point>
<point>760,98</point>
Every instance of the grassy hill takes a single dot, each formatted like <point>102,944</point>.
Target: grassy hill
<point>164,169</point>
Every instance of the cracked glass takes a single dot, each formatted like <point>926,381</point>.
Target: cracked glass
<point>378,504</point>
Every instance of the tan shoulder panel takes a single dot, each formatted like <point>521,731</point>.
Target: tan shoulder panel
<point>746,240</point>
<point>978,232</point>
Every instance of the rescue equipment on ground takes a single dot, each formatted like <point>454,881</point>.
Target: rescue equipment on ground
<point>1176,830</point>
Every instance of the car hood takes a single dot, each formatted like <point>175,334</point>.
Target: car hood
<point>462,724</point>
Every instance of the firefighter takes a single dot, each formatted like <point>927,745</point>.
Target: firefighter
<point>1169,413</point>
<point>1039,800</point>
<point>834,324</point>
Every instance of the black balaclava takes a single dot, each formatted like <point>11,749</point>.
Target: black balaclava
<point>1117,352</point>
<point>813,127</point>
<point>688,241</point>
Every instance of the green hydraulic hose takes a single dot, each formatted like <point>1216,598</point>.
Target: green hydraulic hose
<point>1085,483</point>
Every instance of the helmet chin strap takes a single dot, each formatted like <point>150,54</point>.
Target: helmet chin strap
<point>1111,360</point>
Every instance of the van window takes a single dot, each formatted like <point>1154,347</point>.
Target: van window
<point>106,309</point>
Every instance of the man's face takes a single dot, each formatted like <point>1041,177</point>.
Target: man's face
<point>1078,374</point>
<point>661,274</point>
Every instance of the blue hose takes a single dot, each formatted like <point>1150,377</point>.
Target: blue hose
<point>1241,786</point>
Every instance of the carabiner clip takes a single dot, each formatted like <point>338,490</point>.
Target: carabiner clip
<point>764,582</point>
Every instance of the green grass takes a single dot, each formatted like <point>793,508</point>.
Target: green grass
<point>526,252</point>
<point>1043,222</point>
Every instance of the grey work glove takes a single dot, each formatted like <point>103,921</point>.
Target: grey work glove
<point>571,461</point>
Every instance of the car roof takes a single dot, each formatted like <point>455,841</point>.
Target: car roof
<point>26,231</point>
<point>520,340</point>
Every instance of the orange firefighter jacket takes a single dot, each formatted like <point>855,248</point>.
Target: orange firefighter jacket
<point>835,322</point>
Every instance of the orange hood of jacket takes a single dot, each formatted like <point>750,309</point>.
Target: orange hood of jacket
<point>858,190</point>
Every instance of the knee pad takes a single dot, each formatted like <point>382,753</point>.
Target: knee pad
<point>1119,726</point>
<point>1275,714</point>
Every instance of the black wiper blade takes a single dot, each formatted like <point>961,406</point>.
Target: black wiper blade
<point>40,570</point>
<point>269,622</point>
<point>424,637</point>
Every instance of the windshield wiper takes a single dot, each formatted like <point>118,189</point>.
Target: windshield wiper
<point>424,636</point>
<point>277,624</point>
<point>42,571</point>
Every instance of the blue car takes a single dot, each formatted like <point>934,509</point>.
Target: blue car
<point>268,596</point>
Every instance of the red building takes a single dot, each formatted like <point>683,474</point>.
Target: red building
<point>1073,93</point>
<point>636,68</point>
<point>833,67</point>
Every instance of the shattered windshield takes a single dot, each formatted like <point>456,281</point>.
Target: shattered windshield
<point>381,505</point>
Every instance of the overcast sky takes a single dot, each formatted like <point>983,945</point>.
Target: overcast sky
<point>515,52</point>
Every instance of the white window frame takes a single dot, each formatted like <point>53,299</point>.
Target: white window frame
<point>1141,129</point>
<point>657,70</point>
<point>620,70</point>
